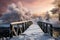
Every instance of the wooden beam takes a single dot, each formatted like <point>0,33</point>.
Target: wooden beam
<point>13,23</point>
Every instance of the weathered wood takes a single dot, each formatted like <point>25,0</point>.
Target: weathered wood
<point>21,27</point>
<point>14,29</point>
<point>49,27</point>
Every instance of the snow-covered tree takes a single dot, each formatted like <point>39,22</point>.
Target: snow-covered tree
<point>14,13</point>
<point>57,8</point>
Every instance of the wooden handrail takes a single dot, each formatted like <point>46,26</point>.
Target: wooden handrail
<point>19,30</point>
<point>13,23</point>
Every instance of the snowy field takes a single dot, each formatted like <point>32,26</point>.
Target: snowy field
<point>33,33</point>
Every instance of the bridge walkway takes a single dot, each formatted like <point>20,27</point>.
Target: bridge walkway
<point>34,32</point>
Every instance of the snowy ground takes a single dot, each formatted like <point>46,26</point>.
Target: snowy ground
<point>33,33</point>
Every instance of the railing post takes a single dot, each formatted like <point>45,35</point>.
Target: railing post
<point>14,31</point>
<point>40,24</point>
<point>43,28</point>
<point>24,27</point>
<point>11,33</point>
<point>51,29</point>
<point>20,28</point>
<point>46,25</point>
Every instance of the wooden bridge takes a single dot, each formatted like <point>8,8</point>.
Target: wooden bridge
<point>15,29</point>
<point>19,27</point>
<point>50,27</point>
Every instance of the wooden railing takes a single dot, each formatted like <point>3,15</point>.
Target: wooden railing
<point>19,27</point>
<point>50,28</point>
<point>46,27</point>
<point>14,29</point>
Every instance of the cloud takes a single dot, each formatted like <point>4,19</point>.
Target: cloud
<point>15,13</point>
<point>30,4</point>
<point>38,5</point>
<point>5,3</point>
<point>28,1</point>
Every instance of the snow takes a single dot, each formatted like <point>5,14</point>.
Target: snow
<point>34,32</point>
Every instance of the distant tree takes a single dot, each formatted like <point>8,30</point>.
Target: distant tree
<point>11,17</point>
<point>57,9</point>
<point>47,15</point>
<point>16,14</point>
<point>54,10</point>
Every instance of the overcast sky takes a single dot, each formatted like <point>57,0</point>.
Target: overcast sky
<point>34,5</point>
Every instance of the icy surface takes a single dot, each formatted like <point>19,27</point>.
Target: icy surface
<point>33,33</point>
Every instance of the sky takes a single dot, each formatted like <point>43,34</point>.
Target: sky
<point>38,5</point>
<point>33,5</point>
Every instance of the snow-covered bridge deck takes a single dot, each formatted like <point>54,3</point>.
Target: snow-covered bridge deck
<point>33,33</point>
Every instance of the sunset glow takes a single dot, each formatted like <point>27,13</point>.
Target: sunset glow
<point>38,5</point>
<point>32,5</point>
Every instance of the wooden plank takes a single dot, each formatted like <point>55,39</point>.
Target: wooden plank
<point>13,23</point>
